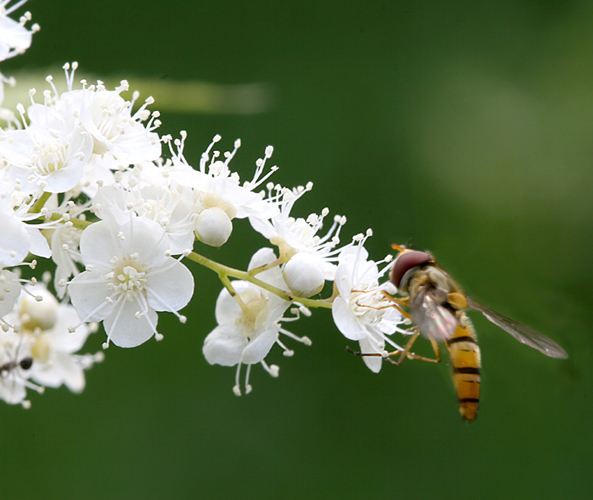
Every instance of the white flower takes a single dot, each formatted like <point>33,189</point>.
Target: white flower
<point>15,365</point>
<point>45,323</point>
<point>10,289</point>
<point>97,173</point>
<point>64,252</point>
<point>361,311</point>
<point>218,187</point>
<point>129,276</point>
<point>14,37</point>
<point>14,237</point>
<point>247,332</point>
<point>36,345</point>
<point>107,117</point>
<point>293,236</point>
<point>18,238</point>
<point>50,153</point>
<point>87,127</point>
<point>156,202</point>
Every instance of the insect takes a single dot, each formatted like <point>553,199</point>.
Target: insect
<point>437,306</point>
<point>14,370</point>
<point>25,364</point>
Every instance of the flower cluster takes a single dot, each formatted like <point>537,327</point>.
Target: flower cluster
<point>86,185</point>
<point>37,347</point>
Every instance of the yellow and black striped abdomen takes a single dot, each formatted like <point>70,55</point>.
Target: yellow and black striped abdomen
<point>465,360</point>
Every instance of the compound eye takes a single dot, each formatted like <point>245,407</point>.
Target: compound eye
<point>26,363</point>
<point>405,262</point>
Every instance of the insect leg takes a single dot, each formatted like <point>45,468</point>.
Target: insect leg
<point>407,354</point>
<point>358,353</point>
<point>397,303</point>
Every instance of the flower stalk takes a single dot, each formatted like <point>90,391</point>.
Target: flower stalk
<point>88,186</point>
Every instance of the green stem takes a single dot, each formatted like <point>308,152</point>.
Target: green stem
<point>225,271</point>
<point>265,267</point>
<point>40,203</point>
<point>77,223</point>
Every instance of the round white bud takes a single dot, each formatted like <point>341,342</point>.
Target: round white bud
<point>40,311</point>
<point>303,275</point>
<point>213,227</point>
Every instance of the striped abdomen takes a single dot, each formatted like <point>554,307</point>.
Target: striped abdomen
<point>465,360</point>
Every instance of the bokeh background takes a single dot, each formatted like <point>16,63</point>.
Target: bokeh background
<point>461,127</point>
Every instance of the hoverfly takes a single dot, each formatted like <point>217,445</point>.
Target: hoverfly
<point>437,306</point>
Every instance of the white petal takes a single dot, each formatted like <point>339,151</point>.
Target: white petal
<point>61,338</point>
<point>62,370</point>
<point>170,290</point>
<point>11,289</point>
<point>264,227</point>
<point>259,348</point>
<point>39,245</point>
<point>368,346</point>
<point>223,346</point>
<point>15,240</point>
<point>262,257</point>
<point>272,276</point>
<point>227,308</point>
<point>98,244</point>
<point>88,292</point>
<point>148,239</point>
<point>106,239</point>
<point>12,390</point>
<point>124,329</point>
<point>346,321</point>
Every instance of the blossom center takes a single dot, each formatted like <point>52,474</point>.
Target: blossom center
<point>49,158</point>
<point>128,281</point>
<point>254,305</point>
<point>41,348</point>
<point>111,118</point>
<point>370,304</point>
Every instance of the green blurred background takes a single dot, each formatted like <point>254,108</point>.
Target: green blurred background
<point>461,127</point>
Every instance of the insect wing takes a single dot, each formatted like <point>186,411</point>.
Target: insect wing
<point>433,320</point>
<point>523,333</point>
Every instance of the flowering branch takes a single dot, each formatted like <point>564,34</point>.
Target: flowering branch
<point>85,185</point>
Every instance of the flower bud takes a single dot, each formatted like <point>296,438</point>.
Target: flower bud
<point>303,275</point>
<point>213,227</point>
<point>40,311</point>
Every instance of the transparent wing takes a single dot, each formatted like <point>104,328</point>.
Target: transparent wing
<point>432,319</point>
<point>521,332</point>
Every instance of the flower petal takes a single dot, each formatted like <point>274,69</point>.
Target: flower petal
<point>223,346</point>
<point>369,346</point>
<point>259,348</point>
<point>175,287</point>
<point>88,292</point>
<point>124,329</point>
<point>346,321</point>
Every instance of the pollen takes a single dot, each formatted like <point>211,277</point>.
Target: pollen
<point>49,158</point>
<point>129,281</point>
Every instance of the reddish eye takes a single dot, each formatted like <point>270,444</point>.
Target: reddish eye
<point>405,262</point>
